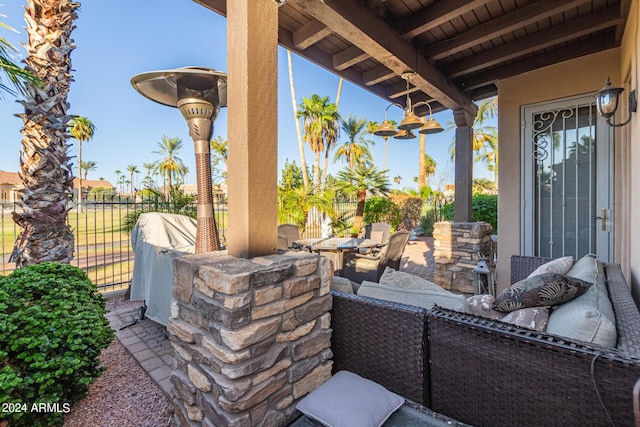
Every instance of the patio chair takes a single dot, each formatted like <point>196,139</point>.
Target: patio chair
<point>370,267</point>
<point>378,231</point>
<point>287,234</point>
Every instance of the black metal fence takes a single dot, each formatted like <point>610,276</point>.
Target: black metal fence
<point>102,234</point>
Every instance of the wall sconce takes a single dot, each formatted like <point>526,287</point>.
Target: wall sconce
<point>607,103</point>
<point>410,121</point>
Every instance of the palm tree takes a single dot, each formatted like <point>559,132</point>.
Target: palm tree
<point>371,128</point>
<point>305,175</point>
<point>429,168</point>
<point>132,169</point>
<point>354,151</point>
<point>320,119</point>
<point>386,148</point>
<point>360,181</point>
<point>397,180</point>
<point>485,138</point>
<point>170,164</point>
<point>219,153</point>
<point>88,166</point>
<point>118,173</point>
<point>45,168</point>
<point>295,203</point>
<point>149,167</point>
<point>81,129</point>
<point>17,77</point>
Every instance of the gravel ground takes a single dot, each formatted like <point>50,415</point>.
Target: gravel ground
<point>124,396</point>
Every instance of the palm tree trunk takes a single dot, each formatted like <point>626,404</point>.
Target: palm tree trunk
<point>327,151</point>
<point>45,168</point>
<point>386,153</point>
<point>303,162</point>
<point>80,176</point>
<point>357,221</point>
<point>421,172</point>
<point>339,92</point>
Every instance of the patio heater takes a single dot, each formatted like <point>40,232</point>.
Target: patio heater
<point>198,93</point>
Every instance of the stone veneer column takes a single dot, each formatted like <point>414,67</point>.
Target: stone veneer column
<point>456,248</point>
<point>251,336</point>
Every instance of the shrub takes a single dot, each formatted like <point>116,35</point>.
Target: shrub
<point>52,330</point>
<point>101,194</point>
<point>427,221</point>
<point>410,209</point>
<point>382,209</point>
<point>485,208</point>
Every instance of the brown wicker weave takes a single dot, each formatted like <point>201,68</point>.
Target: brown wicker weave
<point>382,341</point>
<point>489,373</point>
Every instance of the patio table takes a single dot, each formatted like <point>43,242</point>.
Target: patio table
<point>335,247</point>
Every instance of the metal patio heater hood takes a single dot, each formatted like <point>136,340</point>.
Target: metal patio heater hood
<point>198,93</point>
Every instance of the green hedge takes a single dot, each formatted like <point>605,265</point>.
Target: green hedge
<point>485,208</point>
<point>52,330</point>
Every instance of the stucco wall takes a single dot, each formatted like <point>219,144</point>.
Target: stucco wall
<point>575,77</point>
<point>629,136</point>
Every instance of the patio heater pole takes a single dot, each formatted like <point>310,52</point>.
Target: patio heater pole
<point>198,93</point>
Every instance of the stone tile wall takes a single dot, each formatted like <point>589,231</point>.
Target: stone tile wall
<point>251,337</point>
<point>456,252</point>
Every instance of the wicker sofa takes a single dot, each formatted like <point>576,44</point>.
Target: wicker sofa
<point>488,373</point>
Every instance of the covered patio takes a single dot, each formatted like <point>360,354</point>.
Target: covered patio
<point>460,52</point>
<point>528,53</point>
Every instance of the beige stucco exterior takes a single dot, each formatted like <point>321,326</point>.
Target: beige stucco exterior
<point>583,75</point>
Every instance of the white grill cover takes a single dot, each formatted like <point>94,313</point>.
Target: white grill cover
<point>158,238</point>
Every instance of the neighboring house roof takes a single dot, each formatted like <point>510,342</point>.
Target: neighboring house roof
<point>12,178</point>
<point>9,178</point>
<point>90,183</point>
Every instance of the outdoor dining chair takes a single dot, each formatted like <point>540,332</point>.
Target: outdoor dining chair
<point>370,267</point>
<point>287,234</point>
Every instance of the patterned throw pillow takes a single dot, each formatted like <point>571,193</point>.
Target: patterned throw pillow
<point>535,318</point>
<point>547,289</point>
<point>481,305</point>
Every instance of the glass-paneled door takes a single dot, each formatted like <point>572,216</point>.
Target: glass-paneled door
<point>567,181</point>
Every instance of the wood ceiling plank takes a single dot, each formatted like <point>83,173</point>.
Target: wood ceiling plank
<point>438,14</point>
<point>571,51</point>
<point>310,34</point>
<point>574,29</point>
<point>348,58</point>
<point>496,27</point>
<point>377,75</point>
<point>354,23</point>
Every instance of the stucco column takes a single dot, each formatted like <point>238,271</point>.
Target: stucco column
<point>252,33</point>
<point>463,165</point>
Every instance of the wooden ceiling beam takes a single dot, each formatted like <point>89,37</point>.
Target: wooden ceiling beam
<point>574,50</point>
<point>570,30</point>
<point>324,60</point>
<point>348,57</point>
<point>377,75</point>
<point>398,90</point>
<point>437,14</point>
<point>519,18</point>
<point>309,34</point>
<point>356,24</point>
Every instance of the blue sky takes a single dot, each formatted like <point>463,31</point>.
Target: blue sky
<point>118,39</point>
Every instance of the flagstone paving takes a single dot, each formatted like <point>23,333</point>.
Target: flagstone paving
<point>147,341</point>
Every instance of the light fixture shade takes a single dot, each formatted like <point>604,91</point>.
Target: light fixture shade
<point>431,126</point>
<point>386,129</point>
<point>410,121</point>
<point>607,99</point>
<point>162,86</point>
<point>404,134</point>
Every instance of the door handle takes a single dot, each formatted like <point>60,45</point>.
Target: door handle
<point>603,218</point>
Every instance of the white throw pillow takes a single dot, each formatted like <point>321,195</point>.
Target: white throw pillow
<point>400,279</point>
<point>559,266</point>
<point>348,400</point>
<point>413,296</point>
<point>590,317</point>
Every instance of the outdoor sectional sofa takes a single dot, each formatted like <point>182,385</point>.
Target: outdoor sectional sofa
<point>488,373</point>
